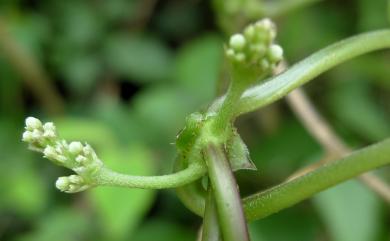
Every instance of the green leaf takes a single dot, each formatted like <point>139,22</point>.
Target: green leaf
<point>197,67</point>
<point>23,189</point>
<point>350,211</point>
<point>354,105</point>
<point>140,58</point>
<point>161,111</point>
<point>121,210</point>
<point>61,224</point>
<point>162,229</point>
<point>83,129</point>
<point>372,16</point>
<point>238,153</point>
<point>81,72</point>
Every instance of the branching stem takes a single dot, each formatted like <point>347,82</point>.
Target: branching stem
<point>193,172</point>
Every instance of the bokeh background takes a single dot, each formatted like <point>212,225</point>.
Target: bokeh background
<point>123,74</point>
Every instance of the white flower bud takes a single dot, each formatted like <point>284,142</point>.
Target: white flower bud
<point>27,136</point>
<point>49,134</point>
<point>33,123</point>
<point>230,53</point>
<point>36,134</point>
<point>61,158</point>
<point>71,184</point>
<point>249,32</point>
<point>49,126</point>
<point>50,152</point>
<point>76,179</point>
<point>87,150</point>
<point>275,53</point>
<point>237,41</point>
<point>62,183</point>
<point>81,159</point>
<point>75,147</point>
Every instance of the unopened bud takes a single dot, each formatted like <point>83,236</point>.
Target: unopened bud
<point>33,123</point>
<point>75,147</point>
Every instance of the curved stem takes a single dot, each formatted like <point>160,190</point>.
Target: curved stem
<point>307,69</point>
<point>191,195</point>
<point>193,172</point>
<point>227,198</point>
<point>287,194</point>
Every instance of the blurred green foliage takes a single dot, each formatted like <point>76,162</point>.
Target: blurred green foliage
<point>129,71</point>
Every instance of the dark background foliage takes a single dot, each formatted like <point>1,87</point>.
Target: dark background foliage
<point>123,74</point>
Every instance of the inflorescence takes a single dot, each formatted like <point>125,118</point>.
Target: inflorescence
<point>255,48</point>
<point>81,158</point>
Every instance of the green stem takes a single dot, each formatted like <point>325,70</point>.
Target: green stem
<point>191,195</point>
<point>194,171</point>
<point>230,212</point>
<point>287,194</point>
<point>210,221</point>
<point>307,69</point>
<point>226,112</point>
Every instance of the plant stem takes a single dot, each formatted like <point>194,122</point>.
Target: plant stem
<point>292,192</point>
<point>210,221</point>
<point>285,195</point>
<point>226,113</point>
<point>333,145</point>
<point>194,171</point>
<point>191,195</point>
<point>307,69</point>
<point>230,212</point>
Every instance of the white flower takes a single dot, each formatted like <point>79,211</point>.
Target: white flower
<point>75,147</point>
<point>49,126</point>
<point>62,183</point>
<point>50,152</point>
<point>33,123</point>
<point>275,53</point>
<point>81,159</point>
<point>237,41</point>
<point>27,136</point>
<point>71,184</point>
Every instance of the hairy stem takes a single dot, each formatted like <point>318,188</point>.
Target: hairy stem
<point>193,172</point>
<point>292,192</point>
<point>334,146</point>
<point>285,195</point>
<point>230,212</point>
<point>307,69</point>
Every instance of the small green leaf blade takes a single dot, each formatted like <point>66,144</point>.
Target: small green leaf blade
<point>238,153</point>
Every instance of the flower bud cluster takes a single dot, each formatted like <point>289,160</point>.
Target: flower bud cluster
<point>38,135</point>
<point>81,158</point>
<point>255,48</point>
<point>71,184</point>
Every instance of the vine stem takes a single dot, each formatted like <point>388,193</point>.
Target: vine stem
<point>194,171</point>
<point>265,203</point>
<point>229,208</point>
<point>334,146</point>
<point>277,87</point>
<point>289,193</point>
<point>210,230</point>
